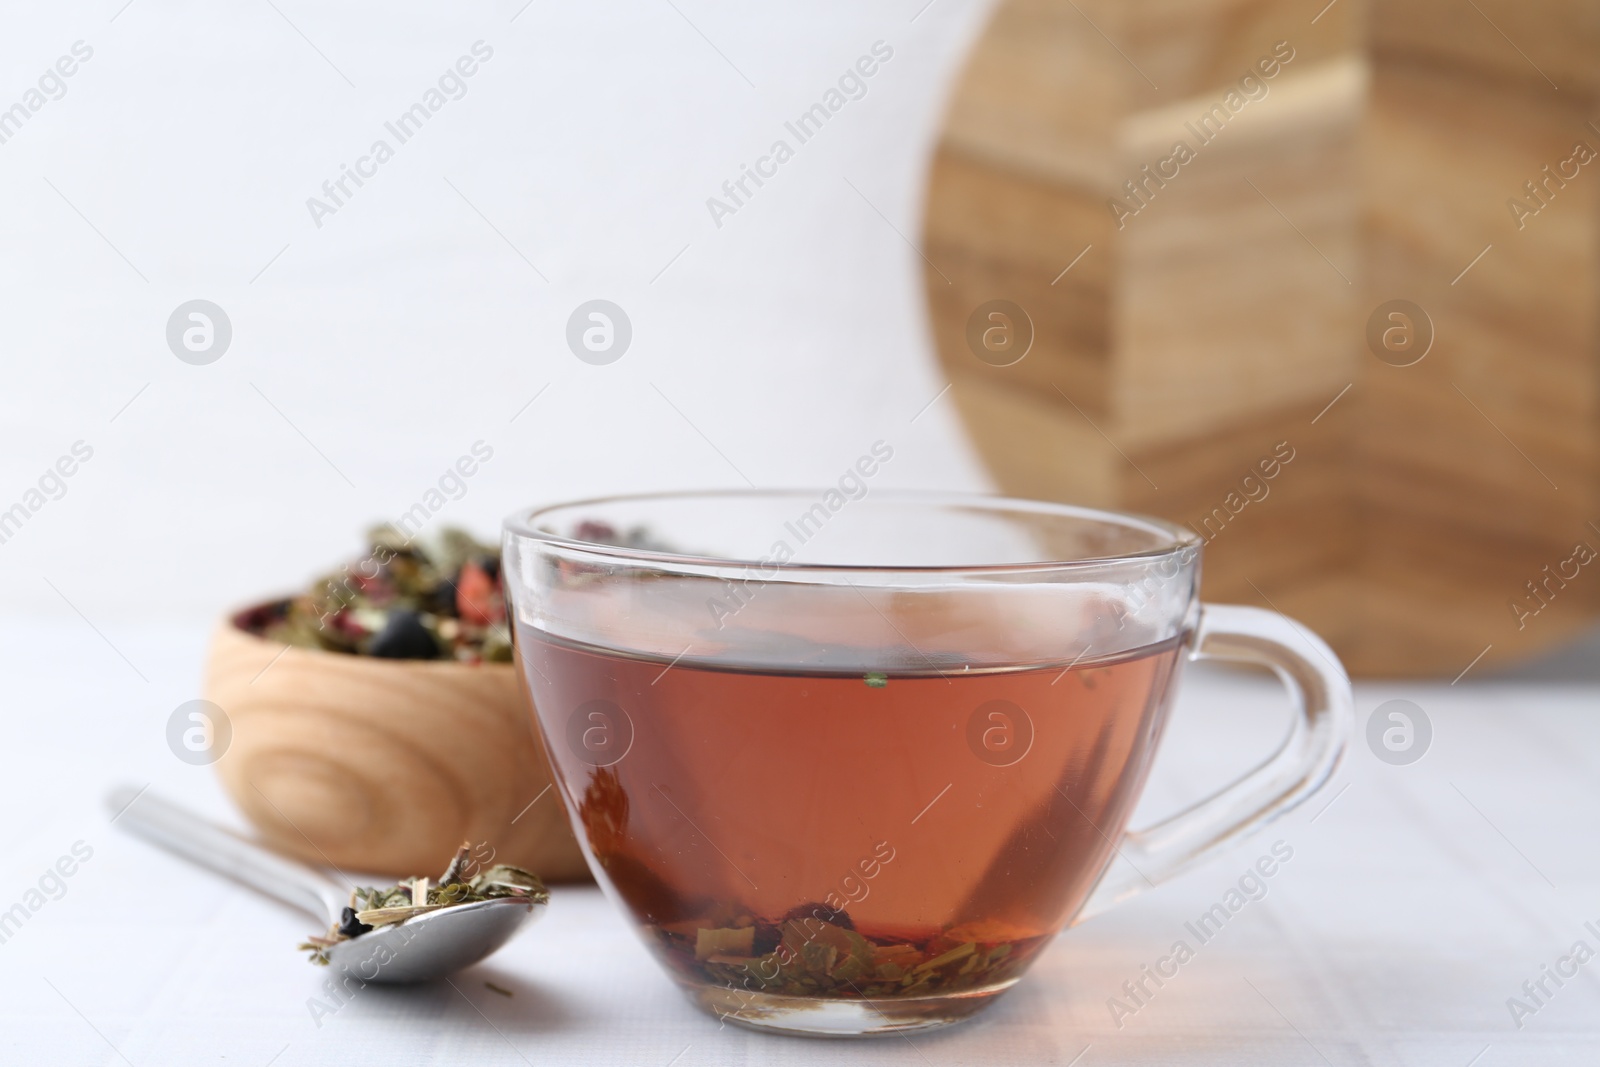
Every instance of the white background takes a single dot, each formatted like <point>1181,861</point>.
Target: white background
<point>406,328</point>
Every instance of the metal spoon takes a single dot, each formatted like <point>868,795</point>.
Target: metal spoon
<point>424,947</point>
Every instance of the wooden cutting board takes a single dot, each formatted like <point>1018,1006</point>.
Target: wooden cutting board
<point>1195,318</point>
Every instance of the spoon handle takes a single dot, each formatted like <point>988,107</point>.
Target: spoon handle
<point>225,852</point>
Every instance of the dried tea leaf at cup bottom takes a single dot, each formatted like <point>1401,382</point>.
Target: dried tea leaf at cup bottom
<point>724,942</point>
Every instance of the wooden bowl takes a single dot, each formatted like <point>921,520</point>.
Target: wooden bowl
<point>385,766</point>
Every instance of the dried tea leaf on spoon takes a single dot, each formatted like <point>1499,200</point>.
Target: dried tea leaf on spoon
<point>372,907</point>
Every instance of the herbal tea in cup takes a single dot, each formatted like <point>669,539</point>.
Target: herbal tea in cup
<point>849,769</point>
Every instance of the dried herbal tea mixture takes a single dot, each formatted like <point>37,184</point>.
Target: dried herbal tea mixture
<point>370,908</point>
<point>413,598</point>
<point>404,599</point>
<point>816,950</point>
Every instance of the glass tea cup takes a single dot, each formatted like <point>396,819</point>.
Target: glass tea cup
<point>849,761</point>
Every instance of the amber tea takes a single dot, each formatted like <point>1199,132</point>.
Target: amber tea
<point>862,834</point>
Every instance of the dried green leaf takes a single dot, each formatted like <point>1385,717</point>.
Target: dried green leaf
<point>373,906</point>
<point>724,942</point>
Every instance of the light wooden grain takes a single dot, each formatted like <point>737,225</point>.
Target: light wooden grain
<point>1231,310</point>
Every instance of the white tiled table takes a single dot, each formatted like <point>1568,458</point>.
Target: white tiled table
<point>1414,906</point>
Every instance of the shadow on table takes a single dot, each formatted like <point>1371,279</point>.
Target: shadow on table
<point>531,1007</point>
<point>507,1002</point>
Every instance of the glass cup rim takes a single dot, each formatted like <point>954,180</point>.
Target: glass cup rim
<point>1180,539</point>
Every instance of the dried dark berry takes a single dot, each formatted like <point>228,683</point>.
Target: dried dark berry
<point>404,637</point>
<point>349,925</point>
<point>820,912</point>
<point>441,599</point>
<point>766,939</point>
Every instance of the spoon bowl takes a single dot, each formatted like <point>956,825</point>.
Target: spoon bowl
<point>433,944</point>
<point>423,947</point>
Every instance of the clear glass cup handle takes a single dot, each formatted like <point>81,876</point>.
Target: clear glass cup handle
<point>1306,760</point>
